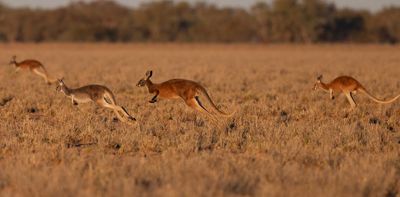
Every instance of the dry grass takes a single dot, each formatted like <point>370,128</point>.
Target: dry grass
<point>284,140</point>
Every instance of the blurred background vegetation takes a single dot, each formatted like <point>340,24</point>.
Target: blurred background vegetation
<point>282,21</point>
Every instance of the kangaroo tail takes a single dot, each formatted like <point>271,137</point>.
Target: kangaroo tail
<point>378,100</point>
<point>213,104</point>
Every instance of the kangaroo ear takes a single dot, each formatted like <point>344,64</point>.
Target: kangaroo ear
<point>14,57</point>
<point>149,74</point>
<point>319,78</point>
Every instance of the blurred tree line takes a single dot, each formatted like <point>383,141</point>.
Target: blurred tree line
<point>300,21</point>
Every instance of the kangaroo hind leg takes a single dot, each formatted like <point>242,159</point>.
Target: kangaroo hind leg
<point>41,74</point>
<point>124,112</point>
<point>104,103</point>
<point>197,105</point>
<point>350,98</point>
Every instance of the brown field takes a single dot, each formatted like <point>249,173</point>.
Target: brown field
<point>284,140</point>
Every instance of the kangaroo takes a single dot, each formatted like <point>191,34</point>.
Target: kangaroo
<point>187,90</point>
<point>99,94</point>
<point>348,86</point>
<point>34,66</point>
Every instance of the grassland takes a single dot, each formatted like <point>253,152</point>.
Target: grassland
<point>284,140</point>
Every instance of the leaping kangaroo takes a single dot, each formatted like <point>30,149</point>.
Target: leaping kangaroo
<point>348,86</point>
<point>34,66</point>
<point>99,94</point>
<point>187,90</point>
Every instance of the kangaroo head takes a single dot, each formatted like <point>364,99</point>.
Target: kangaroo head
<point>142,82</point>
<point>13,60</point>
<point>318,82</point>
<point>61,85</point>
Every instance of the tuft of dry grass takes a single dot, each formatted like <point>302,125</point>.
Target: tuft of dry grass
<point>284,140</point>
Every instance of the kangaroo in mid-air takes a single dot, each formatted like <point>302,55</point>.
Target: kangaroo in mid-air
<point>99,94</point>
<point>34,66</point>
<point>348,86</point>
<point>187,90</point>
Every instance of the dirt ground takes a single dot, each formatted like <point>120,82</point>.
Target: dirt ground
<point>284,140</point>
